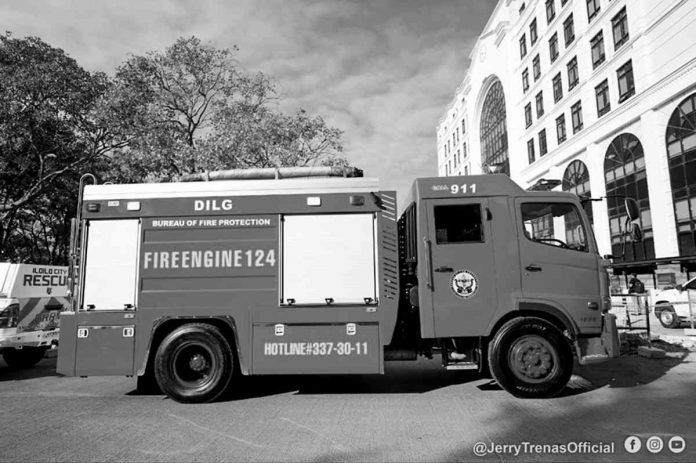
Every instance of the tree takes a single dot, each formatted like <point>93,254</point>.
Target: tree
<point>47,137</point>
<point>191,108</point>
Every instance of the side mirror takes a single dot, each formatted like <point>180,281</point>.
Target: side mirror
<point>607,257</point>
<point>632,209</point>
<point>636,233</point>
<point>679,288</point>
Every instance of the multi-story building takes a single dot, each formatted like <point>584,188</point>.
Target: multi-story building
<point>597,97</point>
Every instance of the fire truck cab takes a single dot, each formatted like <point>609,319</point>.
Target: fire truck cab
<point>191,283</point>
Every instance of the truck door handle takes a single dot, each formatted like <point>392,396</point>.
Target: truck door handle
<point>533,268</point>
<point>428,263</point>
<point>444,269</point>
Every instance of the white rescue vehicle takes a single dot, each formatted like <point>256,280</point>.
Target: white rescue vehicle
<point>31,299</point>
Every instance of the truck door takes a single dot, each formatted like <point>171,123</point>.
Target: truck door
<point>460,270</point>
<point>105,322</point>
<point>558,259</point>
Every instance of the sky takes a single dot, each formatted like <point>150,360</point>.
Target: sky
<point>383,71</point>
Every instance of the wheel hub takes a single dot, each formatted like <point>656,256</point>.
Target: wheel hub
<point>198,363</point>
<point>532,359</point>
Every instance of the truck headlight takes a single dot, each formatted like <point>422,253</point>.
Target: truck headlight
<point>9,316</point>
<point>607,304</point>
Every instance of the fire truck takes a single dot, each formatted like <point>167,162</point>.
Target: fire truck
<point>31,299</point>
<point>192,283</point>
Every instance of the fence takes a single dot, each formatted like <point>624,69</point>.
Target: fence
<point>632,312</point>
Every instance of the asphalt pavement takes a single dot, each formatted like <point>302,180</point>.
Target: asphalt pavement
<point>416,412</point>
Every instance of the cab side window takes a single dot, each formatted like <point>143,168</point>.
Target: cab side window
<point>691,285</point>
<point>459,223</point>
<point>555,224</point>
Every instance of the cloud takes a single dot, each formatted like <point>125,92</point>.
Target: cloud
<point>383,71</point>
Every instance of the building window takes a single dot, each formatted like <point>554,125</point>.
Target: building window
<point>550,11</point>
<point>463,126</point>
<point>464,152</point>
<point>494,142</point>
<point>528,115</point>
<point>592,9</point>
<point>553,47</point>
<point>620,27</point>
<point>627,87</point>
<point>536,67</point>
<point>681,151</point>
<point>557,88</point>
<point>625,175</point>
<point>561,129</point>
<point>533,32</point>
<point>569,30</point>
<point>602,94</point>
<point>573,75</point>
<point>576,179</point>
<point>456,159</point>
<point>530,151</point>
<point>523,46</point>
<point>543,149</point>
<point>576,115</point>
<point>597,44</point>
<point>457,134</point>
<point>540,104</point>
<point>525,80</point>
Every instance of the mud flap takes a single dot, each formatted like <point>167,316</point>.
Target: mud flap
<point>602,348</point>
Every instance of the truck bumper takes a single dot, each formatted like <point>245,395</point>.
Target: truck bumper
<point>600,348</point>
<point>30,339</point>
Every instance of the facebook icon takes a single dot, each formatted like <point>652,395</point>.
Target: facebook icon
<point>632,444</point>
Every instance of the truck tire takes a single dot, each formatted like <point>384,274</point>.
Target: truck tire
<point>194,363</point>
<point>668,318</point>
<point>530,358</point>
<point>26,357</point>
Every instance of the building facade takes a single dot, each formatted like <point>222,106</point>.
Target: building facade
<point>597,97</point>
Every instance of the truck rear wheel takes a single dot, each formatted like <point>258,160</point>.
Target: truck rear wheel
<point>530,358</point>
<point>26,357</point>
<point>194,363</point>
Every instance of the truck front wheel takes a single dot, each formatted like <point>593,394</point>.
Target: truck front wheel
<point>530,358</point>
<point>194,363</point>
<point>26,357</point>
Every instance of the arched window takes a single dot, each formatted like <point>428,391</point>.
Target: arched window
<point>624,172</point>
<point>494,144</point>
<point>576,179</point>
<point>681,149</point>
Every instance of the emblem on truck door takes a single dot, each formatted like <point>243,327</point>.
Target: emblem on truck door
<point>464,284</point>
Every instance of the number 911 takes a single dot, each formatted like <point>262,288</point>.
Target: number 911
<point>463,188</point>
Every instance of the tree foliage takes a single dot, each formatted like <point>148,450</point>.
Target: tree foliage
<point>47,138</point>
<point>192,108</point>
<point>186,109</point>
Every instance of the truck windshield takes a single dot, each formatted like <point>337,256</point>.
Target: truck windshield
<point>555,224</point>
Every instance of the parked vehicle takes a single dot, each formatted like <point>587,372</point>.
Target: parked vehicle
<point>189,283</point>
<point>672,305</point>
<point>31,300</point>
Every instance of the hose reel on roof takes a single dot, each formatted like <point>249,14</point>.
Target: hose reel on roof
<point>272,173</point>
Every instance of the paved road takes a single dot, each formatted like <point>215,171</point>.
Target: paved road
<point>415,413</point>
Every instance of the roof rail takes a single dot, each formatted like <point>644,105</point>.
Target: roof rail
<point>272,173</point>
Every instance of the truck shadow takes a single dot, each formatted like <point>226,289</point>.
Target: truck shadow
<point>45,368</point>
<point>427,375</point>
